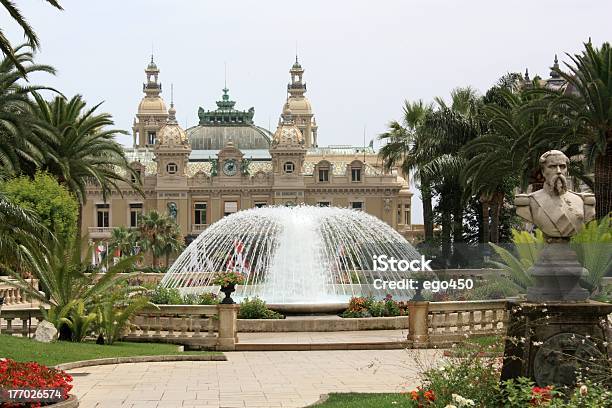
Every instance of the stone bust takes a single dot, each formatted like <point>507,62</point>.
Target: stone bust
<point>558,212</point>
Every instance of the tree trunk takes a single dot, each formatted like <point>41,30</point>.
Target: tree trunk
<point>80,223</point>
<point>457,219</point>
<point>445,208</point>
<point>497,202</point>
<point>603,181</point>
<point>486,235</point>
<point>427,211</point>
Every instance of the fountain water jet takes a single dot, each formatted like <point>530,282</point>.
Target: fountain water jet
<point>293,255</point>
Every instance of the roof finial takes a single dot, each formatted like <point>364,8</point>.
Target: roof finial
<point>225,75</point>
<point>526,74</point>
<point>296,53</point>
<point>171,95</point>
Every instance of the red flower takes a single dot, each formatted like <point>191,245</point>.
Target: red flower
<point>541,395</point>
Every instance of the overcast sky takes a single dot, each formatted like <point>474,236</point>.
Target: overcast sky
<point>362,58</point>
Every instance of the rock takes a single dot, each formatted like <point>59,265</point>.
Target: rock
<point>45,332</point>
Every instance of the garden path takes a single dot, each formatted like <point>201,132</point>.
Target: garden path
<point>249,379</point>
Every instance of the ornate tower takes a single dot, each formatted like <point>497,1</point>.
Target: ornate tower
<point>172,150</point>
<point>152,113</point>
<point>288,153</point>
<point>299,105</point>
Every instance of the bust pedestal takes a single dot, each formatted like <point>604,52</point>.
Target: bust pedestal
<point>551,342</point>
<point>557,274</point>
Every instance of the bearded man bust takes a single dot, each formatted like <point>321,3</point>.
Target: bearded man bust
<point>557,211</point>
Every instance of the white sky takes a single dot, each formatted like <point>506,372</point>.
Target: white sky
<point>362,58</point>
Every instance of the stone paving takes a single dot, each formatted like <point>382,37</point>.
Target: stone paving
<point>248,379</point>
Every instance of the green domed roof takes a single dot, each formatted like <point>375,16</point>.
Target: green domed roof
<point>225,123</point>
<point>245,137</point>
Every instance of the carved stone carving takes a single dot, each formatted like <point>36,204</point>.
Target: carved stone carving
<point>561,358</point>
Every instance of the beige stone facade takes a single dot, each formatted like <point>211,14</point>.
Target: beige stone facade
<point>227,164</point>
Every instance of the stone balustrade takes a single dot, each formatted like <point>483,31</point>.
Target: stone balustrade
<point>19,321</point>
<point>441,323</point>
<point>13,296</point>
<point>208,327</point>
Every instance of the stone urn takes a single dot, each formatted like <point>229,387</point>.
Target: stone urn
<point>227,290</point>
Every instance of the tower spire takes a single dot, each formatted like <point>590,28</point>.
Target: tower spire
<point>172,111</point>
<point>555,67</point>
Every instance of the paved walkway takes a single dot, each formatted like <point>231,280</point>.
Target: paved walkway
<point>362,336</point>
<point>248,379</point>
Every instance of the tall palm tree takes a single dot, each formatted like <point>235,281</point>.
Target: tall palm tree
<point>23,137</point>
<point>590,75</point>
<point>448,129</point>
<point>28,31</point>
<point>159,234</point>
<point>84,149</point>
<point>402,150</point>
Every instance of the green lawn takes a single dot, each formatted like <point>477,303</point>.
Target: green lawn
<point>356,400</point>
<point>23,349</point>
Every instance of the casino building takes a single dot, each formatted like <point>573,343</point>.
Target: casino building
<point>228,163</point>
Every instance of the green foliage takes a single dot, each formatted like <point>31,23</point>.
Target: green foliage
<point>114,311</point>
<point>593,245</point>
<point>79,321</point>
<point>24,139</point>
<point>171,296</point>
<point>166,296</point>
<point>123,240</point>
<point>20,229</point>
<point>54,205</point>
<point>49,354</point>
<point>82,147</point>
<point>256,308</point>
<point>528,248</point>
<point>160,235</point>
<point>369,307</point>
<point>28,32</point>
<point>470,376</point>
<point>62,277</point>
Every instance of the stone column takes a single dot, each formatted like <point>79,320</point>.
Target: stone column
<point>228,336</point>
<point>418,334</point>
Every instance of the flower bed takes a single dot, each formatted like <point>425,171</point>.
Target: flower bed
<point>369,307</point>
<point>15,374</point>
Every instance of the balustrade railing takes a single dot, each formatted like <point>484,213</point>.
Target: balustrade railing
<point>21,322</point>
<point>14,296</point>
<point>192,325</point>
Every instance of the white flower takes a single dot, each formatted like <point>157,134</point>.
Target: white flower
<point>584,390</point>
<point>538,343</point>
<point>450,406</point>
<point>463,402</point>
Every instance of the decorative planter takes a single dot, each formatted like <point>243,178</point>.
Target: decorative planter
<point>227,290</point>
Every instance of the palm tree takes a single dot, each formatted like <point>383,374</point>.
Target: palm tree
<point>402,150</point>
<point>61,274</point>
<point>448,129</point>
<point>122,239</point>
<point>160,235</point>
<point>591,109</point>
<point>84,149</point>
<point>20,230</point>
<point>23,138</point>
<point>30,35</point>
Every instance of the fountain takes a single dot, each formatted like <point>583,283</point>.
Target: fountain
<point>298,256</point>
